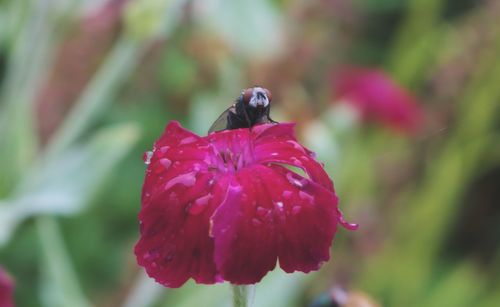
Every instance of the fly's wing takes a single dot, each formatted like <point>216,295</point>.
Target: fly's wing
<point>221,121</point>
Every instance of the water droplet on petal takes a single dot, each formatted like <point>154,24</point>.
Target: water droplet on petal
<point>345,224</point>
<point>279,204</point>
<point>173,198</point>
<point>296,182</point>
<point>164,149</point>
<point>165,162</point>
<point>188,180</point>
<point>146,157</point>
<point>261,211</point>
<point>169,255</point>
<point>152,254</point>
<point>306,196</point>
<point>256,222</point>
<point>188,140</point>
<point>287,194</point>
<point>199,205</point>
<point>197,167</point>
<point>296,210</point>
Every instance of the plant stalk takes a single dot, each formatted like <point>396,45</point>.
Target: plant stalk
<point>243,295</point>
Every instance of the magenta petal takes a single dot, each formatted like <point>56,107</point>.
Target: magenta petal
<point>179,144</point>
<point>270,213</point>
<point>243,230</point>
<point>277,144</point>
<point>6,289</point>
<point>174,244</point>
<point>178,198</point>
<point>308,222</point>
<point>379,98</point>
<point>175,135</point>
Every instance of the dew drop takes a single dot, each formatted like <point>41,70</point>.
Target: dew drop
<point>296,210</point>
<point>169,255</point>
<point>345,224</point>
<point>261,211</point>
<point>188,180</point>
<point>256,222</point>
<point>165,162</point>
<point>294,181</point>
<point>199,205</point>
<point>279,204</point>
<point>146,157</point>
<point>152,254</point>
<point>306,196</point>
<point>197,167</point>
<point>173,198</point>
<point>296,145</point>
<point>188,140</point>
<point>287,194</point>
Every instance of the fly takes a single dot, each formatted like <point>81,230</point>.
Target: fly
<point>251,108</point>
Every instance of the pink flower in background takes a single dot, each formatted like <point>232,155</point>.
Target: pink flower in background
<point>378,98</point>
<point>224,206</point>
<point>6,289</point>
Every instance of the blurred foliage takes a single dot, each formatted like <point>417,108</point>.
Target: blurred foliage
<point>87,86</point>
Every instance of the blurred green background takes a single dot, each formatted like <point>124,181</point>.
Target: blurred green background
<point>87,86</point>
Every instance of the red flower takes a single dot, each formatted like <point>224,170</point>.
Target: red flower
<point>6,289</point>
<point>378,98</point>
<point>224,206</point>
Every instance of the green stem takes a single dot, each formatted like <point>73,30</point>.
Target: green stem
<point>100,92</point>
<point>63,288</point>
<point>243,295</point>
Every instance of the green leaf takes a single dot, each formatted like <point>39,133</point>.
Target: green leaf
<point>65,184</point>
<point>59,282</point>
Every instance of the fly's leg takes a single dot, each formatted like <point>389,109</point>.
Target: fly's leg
<point>269,118</point>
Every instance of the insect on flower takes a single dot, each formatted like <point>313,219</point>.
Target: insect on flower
<point>225,207</point>
<point>252,107</point>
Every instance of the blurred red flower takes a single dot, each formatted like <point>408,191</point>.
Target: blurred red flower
<point>224,206</point>
<point>378,98</point>
<point>6,289</point>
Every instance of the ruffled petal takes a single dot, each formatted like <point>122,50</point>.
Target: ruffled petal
<point>174,244</point>
<point>277,144</point>
<point>271,212</point>
<point>179,144</point>
<point>178,198</point>
<point>243,229</point>
<point>308,222</point>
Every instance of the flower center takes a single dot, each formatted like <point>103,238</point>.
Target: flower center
<point>232,154</point>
